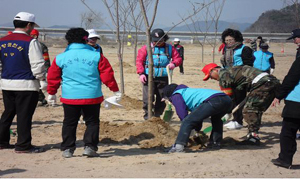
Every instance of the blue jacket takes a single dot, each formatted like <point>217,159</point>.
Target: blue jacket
<point>187,99</point>
<point>80,69</point>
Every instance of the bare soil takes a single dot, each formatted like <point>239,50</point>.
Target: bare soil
<point>133,148</point>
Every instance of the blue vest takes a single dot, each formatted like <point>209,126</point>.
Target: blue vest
<point>15,59</point>
<point>161,58</point>
<point>294,95</point>
<point>262,60</point>
<point>80,74</point>
<point>237,56</point>
<point>193,97</point>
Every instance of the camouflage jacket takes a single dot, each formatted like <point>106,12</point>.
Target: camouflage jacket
<point>45,55</point>
<point>240,78</point>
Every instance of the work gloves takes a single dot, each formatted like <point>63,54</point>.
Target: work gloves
<point>52,99</point>
<point>143,78</point>
<point>43,85</point>
<point>118,95</point>
<point>171,66</point>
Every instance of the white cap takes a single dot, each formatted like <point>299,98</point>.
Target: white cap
<point>25,16</point>
<point>92,33</point>
<point>176,39</point>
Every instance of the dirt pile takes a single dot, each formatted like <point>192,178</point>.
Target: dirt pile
<point>154,133</point>
<point>129,103</point>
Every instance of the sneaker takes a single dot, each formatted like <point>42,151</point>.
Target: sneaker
<point>176,148</point>
<point>279,162</point>
<point>89,152</point>
<point>68,153</point>
<point>252,139</point>
<point>7,146</point>
<point>214,145</point>
<point>32,150</point>
<point>234,125</point>
<point>229,123</point>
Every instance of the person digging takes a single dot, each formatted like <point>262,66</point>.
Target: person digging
<point>202,104</point>
<point>260,85</point>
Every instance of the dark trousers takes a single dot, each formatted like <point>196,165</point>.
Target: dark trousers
<point>158,85</point>
<point>22,104</point>
<point>41,96</point>
<point>288,144</point>
<point>215,108</point>
<point>238,97</point>
<point>181,67</point>
<point>71,115</point>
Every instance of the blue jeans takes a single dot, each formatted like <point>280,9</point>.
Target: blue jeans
<point>215,108</point>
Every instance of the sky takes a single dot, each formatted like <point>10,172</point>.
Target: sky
<point>68,12</point>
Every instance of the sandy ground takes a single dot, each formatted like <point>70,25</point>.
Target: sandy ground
<point>133,148</point>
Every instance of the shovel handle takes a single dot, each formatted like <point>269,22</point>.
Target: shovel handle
<point>169,75</point>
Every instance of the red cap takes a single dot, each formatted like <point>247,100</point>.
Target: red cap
<point>9,32</point>
<point>206,70</point>
<point>35,32</point>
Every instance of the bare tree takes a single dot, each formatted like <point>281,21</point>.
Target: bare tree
<point>296,11</point>
<point>210,19</point>
<point>90,20</point>
<point>149,51</point>
<point>136,21</point>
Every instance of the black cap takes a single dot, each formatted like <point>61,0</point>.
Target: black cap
<point>168,90</point>
<point>295,33</point>
<point>157,34</point>
<point>264,46</point>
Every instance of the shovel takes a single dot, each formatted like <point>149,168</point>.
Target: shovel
<point>169,112</point>
<point>225,117</point>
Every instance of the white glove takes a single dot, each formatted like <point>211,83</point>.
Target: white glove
<point>52,99</point>
<point>43,85</point>
<point>272,71</point>
<point>118,94</point>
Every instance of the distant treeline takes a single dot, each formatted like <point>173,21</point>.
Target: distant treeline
<point>277,21</point>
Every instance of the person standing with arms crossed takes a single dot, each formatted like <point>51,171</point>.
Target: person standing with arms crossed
<point>163,55</point>
<point>22,75</point>
<point>289,91</point>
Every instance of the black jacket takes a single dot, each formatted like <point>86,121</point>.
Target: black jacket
<point>292,108</point>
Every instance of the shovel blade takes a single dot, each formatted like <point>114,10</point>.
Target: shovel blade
<point>168,115</point>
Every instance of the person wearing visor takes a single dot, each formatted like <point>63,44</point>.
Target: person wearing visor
<point>164,55</point>
<point>260,85</point>
<point>264,60</point>
<point>92,40</point>
<point>22,75</point>
<point>202,104</point>
<point>289,91</point>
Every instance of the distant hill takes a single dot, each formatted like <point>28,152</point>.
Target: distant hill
<point>276,21</point>
<point>60,27</point>
<point>222,25</point>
